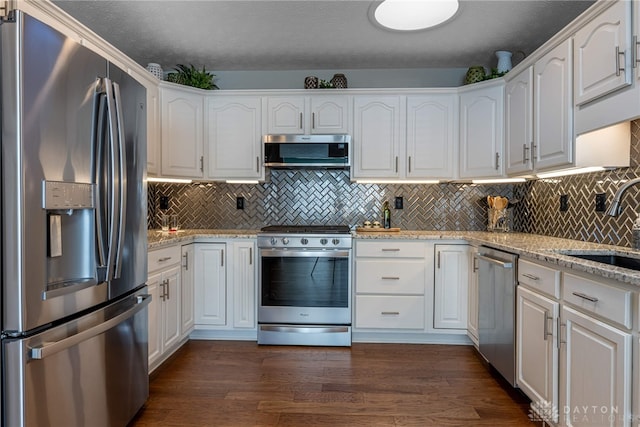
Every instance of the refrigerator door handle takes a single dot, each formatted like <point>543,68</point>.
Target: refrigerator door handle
<point>97,135</point>
<point>49,349</point>
<point>114,194</point>
<point>122,180</point>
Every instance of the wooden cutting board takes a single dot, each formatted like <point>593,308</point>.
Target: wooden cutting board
<point>377,230</point>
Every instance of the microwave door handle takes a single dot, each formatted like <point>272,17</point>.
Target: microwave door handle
<point>114,187</point>
<point>122,180</point>
<point>97,142</point>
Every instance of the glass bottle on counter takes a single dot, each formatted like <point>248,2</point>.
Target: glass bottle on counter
<point>386,215</point>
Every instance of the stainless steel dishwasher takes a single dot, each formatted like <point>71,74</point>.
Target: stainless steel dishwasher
<point>497,280</point>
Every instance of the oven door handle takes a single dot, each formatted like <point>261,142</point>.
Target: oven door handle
<point>288,253</point>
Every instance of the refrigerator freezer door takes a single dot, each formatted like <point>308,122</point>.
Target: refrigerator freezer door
<point>48,217</point>
<point>91,371</point>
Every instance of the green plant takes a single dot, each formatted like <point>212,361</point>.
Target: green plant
<point>325,84</point>
<point>191,76</point>
<point>494,74</point>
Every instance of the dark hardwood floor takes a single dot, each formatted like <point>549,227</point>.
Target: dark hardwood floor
<point>228,383</point>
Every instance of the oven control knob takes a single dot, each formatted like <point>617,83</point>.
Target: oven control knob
<point>304,241</point>
<point>323,241</point>
<point>335,241</point>
<point>285,241</point>
<point>274,241</point>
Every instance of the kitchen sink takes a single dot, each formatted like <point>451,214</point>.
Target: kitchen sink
<point>615,260</point>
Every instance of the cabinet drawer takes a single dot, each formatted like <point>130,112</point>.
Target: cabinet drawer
<point>398,276</point>
<point>539,277</point>
<point>162,258</point>
<point>391,249</point>
<point>389,312</point>
<point>606,301</point>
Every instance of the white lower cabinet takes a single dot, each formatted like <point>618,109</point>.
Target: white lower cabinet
<point>210,279</point>
<point>537,352</point>
<point>164,286</point>
<point>595,387</point>
<point>225,289</point>
<point>451,286</point>
<point>186,312</point>
<point>390,312</point>
<point>472,311</point>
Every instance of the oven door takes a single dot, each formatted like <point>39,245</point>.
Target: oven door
<point>305,287</point>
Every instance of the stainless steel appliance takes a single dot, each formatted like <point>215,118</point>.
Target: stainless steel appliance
<point>328,151</point>
<point>74,317</point>
<point>305,285</point>
<point>497,281</point>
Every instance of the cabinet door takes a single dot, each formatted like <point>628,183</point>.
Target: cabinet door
<point>329,114</point>
<point>537,352</point>
<point>234,143</point>
<point>244,285</point>
<point>187,297</point>
<point>451,287</point>
<point>376,137</point>
<point>519,123</point>
<point>431,124</point>
<point>182,133</point>
<point>472,312</point>
<point>285,115</point>
<point>481,132</point>
<point>155,320</point>
<point>602,52</point>
<point>153,130</point>
<point>210,284</point>
<point>171,307</point>
<point>553,108</point>
<point>596,372</point>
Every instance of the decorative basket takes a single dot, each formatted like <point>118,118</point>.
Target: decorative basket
<point>474,74</point>
<point>311,82</point>
<point>156,70</point>
<point>339,81</point>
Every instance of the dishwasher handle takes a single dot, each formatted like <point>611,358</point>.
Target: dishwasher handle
<point>501,263</point>
<point>49,349</point>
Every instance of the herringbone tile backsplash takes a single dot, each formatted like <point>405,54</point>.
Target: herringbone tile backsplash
<point>328,197</point>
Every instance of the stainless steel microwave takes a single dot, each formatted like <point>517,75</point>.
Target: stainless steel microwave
<point>288,151</point>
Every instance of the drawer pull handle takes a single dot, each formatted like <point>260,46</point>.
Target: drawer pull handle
<point>587,297</point>
<point>390,278</point>
<point>390,313</point>
<point>167,258</point>
<point>531,276</point>
<point>391,250</point>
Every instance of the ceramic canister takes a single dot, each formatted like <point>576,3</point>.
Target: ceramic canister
<point>311,82</point>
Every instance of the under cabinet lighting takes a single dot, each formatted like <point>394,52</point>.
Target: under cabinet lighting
<point>170,180</point>
<point>575,171</point>
<point>497,181</point>
<point>390,181</point>
<point>242,181</point>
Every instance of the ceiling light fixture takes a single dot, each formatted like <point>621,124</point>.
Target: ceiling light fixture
<point>411,15</point>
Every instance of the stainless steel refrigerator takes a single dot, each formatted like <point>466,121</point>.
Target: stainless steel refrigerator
<point>74,302</point>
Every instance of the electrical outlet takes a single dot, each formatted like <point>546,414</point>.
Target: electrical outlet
<point>240,202</point>
<point>601,200</point>
<point>399,203</point>
<point>164,202</point>
<point>564,203</point>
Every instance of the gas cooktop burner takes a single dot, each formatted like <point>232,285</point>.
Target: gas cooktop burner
<point>313,229</point>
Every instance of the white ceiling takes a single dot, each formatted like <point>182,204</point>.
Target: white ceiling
<point>311,34</point>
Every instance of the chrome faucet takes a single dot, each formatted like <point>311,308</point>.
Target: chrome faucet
<point>616,209</point>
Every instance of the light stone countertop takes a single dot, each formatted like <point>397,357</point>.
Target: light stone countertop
<point>542,248</point>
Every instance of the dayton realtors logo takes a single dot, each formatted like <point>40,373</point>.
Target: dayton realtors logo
<point>585,414</point>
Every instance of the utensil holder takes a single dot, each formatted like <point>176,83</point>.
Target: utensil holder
<point>498,220</point>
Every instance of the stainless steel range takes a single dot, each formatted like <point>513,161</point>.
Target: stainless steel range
<point>305,285</point>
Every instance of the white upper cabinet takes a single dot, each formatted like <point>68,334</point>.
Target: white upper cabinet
<point>519,123</point>
<point>376,136</point>
<point>481,131</point>
<point>553,108</point>
<point>182,133</point>
<point>233,136</point>
<point>602,53</point>
<point>431,136</point>
<point>329,114</point>
<point>320,114</point>
<point>153,129</point>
